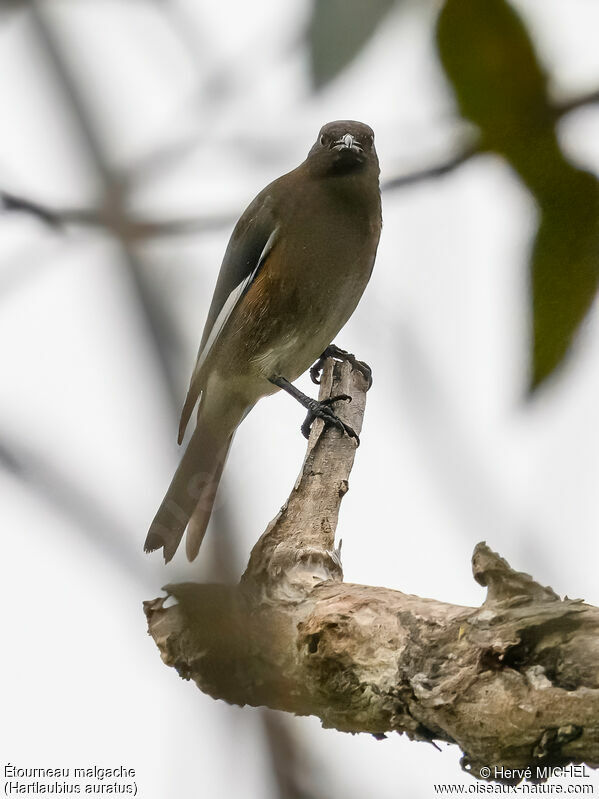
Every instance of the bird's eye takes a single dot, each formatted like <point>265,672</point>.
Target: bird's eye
<point>323,139</point>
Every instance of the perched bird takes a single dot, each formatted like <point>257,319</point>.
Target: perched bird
<point>294,270</point>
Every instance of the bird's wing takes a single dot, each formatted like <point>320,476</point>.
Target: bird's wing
<point>249,245</point>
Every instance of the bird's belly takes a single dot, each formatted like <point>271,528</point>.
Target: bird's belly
<point>291,314</point>
<point>288,358</point>
<point>297,337</point>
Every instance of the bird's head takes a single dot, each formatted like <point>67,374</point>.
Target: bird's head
<point>343,146</point>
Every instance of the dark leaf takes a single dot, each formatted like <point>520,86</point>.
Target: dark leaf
<point>490,60</point>
<point>500,85</point>
<point>564,269</point>
<point>337,32</point>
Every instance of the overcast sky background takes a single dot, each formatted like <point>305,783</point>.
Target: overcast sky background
<point>451,453</point>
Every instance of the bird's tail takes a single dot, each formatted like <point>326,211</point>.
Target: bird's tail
<point>191,493</point>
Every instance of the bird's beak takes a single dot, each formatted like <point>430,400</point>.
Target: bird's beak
<point>347,142</point>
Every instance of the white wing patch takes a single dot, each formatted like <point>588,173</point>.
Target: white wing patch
<point>232,300</point>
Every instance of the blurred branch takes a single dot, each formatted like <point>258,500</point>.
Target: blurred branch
<point>11,202</point>
<point>131,227</point>
<point>10,5</point>
<point>134,228</point>
<point>294,774</point>
<point>103,531</point>
<point>574,103</point>
<point>280,741</point>
<point>431,172</point>
<point>160,333</point>
<point>114,217</point>
<point>149,166</point>
<point>183,27</point>
<point>475,148</point>
<point>220,82</point>
<point>514,683</point>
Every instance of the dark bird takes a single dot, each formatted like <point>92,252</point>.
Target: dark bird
<point>294,270</point>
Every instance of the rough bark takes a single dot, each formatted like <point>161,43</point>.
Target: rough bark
<point>514,683</point>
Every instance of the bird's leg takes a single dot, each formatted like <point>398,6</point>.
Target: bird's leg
<point>316,409</point>
<point>333,351</point>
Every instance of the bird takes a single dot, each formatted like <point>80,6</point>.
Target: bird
<point>294,270</point>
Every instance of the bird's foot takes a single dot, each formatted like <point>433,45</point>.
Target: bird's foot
<point>316,409</point>
<point>333,351</point>
<point>322,410</point>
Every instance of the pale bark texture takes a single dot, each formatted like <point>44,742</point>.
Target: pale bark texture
<point>514,683</point>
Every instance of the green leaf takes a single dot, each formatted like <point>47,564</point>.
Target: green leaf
<point>501,86</point>
<point>564,266</point>
<point>490,60</point>
<point>337,32</point>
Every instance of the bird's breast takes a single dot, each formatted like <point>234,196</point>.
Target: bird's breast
<point>307,288</point>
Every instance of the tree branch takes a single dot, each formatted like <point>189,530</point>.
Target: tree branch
<point>133,227</point>
<point>434,171</point>
<point>574,103</point>
<point>136,228</point>
<point>11,202</point>
<point>475,147</point>
<point>159,330</point>
<point>514,683</point>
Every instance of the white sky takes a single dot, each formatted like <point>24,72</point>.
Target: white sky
<point>450,455</point>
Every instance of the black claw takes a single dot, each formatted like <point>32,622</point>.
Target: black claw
<point>341,355</point>
<point>307,425</point>
<point>316,409</point>
<point>322,410</point>
<point>363,367</point>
